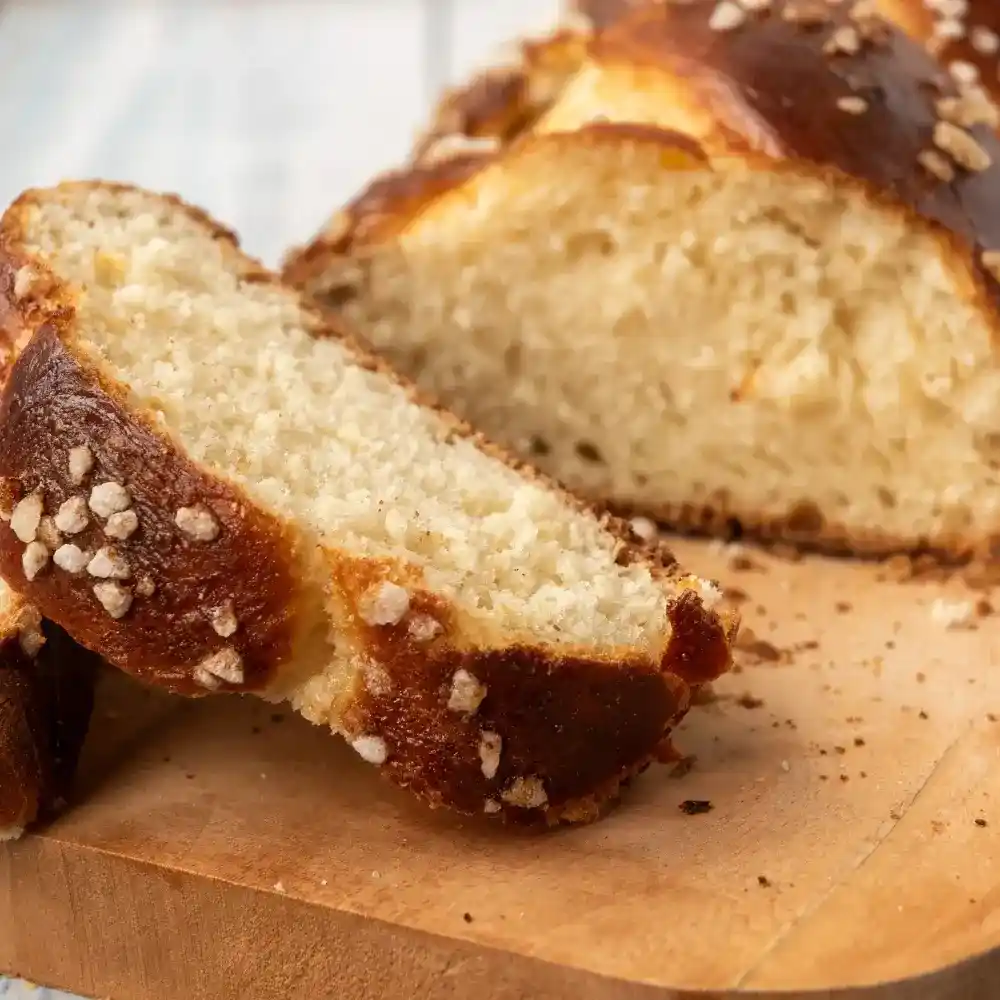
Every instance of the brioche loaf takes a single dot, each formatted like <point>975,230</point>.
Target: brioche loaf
<point>779,317</point>
<point>46,699</point>
<point>245,501</point>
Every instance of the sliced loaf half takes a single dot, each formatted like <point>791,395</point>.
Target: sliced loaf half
<point>46,699</point>
<point>244,500</point>
<point>761,294</point>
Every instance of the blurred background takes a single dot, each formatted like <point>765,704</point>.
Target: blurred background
<point>265,112</point>
<point>268,113</point>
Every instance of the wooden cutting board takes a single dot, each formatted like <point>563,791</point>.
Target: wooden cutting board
<point>226,850</point>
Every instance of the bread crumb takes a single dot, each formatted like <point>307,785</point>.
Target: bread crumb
<point>72,517</point>
<point>710,593</point>
<point>984,40</point>
<point>525,793</point>
<point>785,766</point>
<point>279,886</point>
<point>48,533</point>
<point>30,638</point>
<point>467,693</point>
<point>852,105</point>
<point>808,13</point>
<point>198,523</point>
<point>34,560</point>
<point>644,529</point>
<point>961,147</point>
<point>71,558</point>
<point>114,598</point>
<point>122,525</point>
<point>963,72</point>
<point>973,107</point>
<point>844,40</point>
<point>145,587</point>
<point>24,278</point>
<point>386,604</point>
<point>109,498</point>
<point>26,516</point>
<point>726,16</point>
<point>695,807</point>
<point>109,564</point>
<point>491,807</point>
<point>223,620</point>
<point>371,749</point>
<point>81,461</point>
<point>490,746</point>
<point>423,628</point>
<point>226,664</point>
<point>936,165</point>
<point>953,614</point>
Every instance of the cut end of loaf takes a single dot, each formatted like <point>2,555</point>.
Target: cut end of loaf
<point>753,344</point>
<point>422,557</point>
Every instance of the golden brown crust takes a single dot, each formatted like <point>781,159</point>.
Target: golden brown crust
<point>46,699</point>
<point>503,101</point>
<point>576,723</point>
<point>964,33</point>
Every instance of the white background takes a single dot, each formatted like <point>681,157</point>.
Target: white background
<point>268,113</point>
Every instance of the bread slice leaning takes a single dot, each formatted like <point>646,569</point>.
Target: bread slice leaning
<point>719,306</point>
<point>46,699</point>
<point>243,500</point>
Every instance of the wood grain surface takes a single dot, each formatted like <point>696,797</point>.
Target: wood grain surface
<point>225,849</point>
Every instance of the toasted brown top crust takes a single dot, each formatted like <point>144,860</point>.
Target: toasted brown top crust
<point>46,702</point>
<point>576,724</point>
<point>501,102</point>
<point>802,82</point>
<point>956,33</point>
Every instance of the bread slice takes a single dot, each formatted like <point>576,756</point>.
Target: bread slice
<point>246,501</point>
<point>760,295</point>
<point>46,699</point>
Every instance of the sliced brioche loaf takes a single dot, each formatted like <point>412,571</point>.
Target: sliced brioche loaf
<point>245,501</point>
<point>46,699</point>
<point>781,314</point>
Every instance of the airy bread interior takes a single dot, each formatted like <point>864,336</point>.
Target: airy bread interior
<point>231,369</point>
<point>661,337</point>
